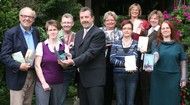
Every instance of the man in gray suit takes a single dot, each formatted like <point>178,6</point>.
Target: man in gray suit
<point>89,59</point>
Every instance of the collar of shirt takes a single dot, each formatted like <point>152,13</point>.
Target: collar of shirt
<point>62,33</point>
<point>105,29</point>
<point>51,49</point>
<point>88,28</point>
<point>153,29</point>
<point>46,42</point>
<point>157,28</point>
<point>24,31</point>
<point>28,37</point>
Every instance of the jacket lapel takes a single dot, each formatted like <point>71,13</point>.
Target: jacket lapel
<point>34,34</point>
<point>21,36</point>
<point>88,34</point>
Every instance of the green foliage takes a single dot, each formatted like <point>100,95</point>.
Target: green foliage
<point>51,9</point>
<point>4,92</point>
<point>43,34</point>
<point>8,18</point>
<point>120,19</point>
<point>72,91</point>
<point>56,8</point>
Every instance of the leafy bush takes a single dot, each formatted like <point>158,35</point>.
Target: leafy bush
<point>181,19</point>
<point>8,18</point>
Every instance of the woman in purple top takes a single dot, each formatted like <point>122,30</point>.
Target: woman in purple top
<point>49,85</point>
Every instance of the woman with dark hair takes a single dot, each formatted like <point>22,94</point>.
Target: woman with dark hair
<point>170,67</point>
<point>125,81</point>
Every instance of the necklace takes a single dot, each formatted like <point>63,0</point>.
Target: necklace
<point>127,44</point>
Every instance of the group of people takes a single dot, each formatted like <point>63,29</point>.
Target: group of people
<point>96,59</point>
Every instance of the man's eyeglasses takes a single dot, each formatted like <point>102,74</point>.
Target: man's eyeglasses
<point>25,16</point>
<point>66,22</point>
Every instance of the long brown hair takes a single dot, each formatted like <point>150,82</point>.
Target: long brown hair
<point>173,35</point>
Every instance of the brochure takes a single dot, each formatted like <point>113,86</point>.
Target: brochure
<point>137,26</point>
<point>130,63</point>
<point>30,56</point>
<point>148,64</point>
<point>18,57</point>
<point>143,43</point>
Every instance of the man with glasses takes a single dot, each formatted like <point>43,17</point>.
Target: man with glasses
<point>20,77</point>
<point>67,36</point>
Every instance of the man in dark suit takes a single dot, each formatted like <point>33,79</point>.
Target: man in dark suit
<point>20,77</point>
<point>89,58</point>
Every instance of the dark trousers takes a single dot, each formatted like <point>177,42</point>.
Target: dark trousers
<point>91,95</point>
<point>145,87</point>
<point>108,95</point>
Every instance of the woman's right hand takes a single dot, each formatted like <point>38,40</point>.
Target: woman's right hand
<point>46,86</point>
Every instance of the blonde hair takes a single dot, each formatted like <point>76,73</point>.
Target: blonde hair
<point>135,5</point>
<point>110,13</point>
<point>159,15</point>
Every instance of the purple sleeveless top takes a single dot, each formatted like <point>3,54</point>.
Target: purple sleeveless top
<point>51,69</point>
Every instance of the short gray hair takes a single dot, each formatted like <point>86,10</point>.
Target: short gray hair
<point>27,8</point>
<point>67,15</point>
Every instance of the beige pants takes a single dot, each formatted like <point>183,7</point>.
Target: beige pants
<point>24,96</point>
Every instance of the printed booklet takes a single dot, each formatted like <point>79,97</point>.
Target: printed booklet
<point>148,64</point>
<point>30,56</point>
<point>130,63</point>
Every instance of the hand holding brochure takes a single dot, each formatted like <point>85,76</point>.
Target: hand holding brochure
<point>130,63</point>
<point>18,57</point>
<point>148,64</point>
<point>60,54</point>
<point>143,43</point>
<point>137,26</point>
<point>30,56</point>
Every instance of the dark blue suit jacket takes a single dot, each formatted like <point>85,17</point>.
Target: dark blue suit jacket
<point>89,57</point>
<point>14,41</point>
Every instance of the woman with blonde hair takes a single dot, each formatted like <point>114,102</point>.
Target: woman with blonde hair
<point>112,34</point>
<point>139,25</point>
<point>155,18</point>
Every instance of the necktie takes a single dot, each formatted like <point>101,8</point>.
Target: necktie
<point>85,31</point>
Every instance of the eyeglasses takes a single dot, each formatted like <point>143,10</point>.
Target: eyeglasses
<point>25,16</point>
<point>126,28</point>
<point>109,20</point>
<point>66,22</point>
